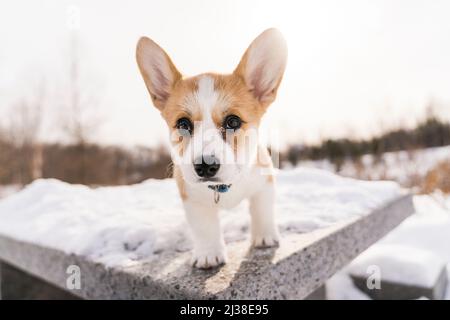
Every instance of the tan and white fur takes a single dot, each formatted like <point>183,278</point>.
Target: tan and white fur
<point>206,101</point>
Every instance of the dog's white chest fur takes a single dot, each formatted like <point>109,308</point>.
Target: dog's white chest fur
<point>202,214</point>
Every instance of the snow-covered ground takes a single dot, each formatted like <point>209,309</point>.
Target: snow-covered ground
<point>401,166</point>
<point>410,254</point>
<point>8,190</point>
<point>122,225</point>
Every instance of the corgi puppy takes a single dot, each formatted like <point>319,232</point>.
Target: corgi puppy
<point>213,122</point>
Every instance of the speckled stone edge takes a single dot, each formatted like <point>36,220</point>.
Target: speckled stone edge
<point>301,264</point>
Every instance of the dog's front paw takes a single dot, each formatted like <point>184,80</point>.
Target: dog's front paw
<point>266,241</point>
<point>209,258</point>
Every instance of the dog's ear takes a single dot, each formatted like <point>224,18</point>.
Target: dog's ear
<point>263,64</point>
<point>158,71</point>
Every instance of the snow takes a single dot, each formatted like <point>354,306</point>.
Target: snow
<point>341,287</point>
<point>400,166</point>
<point>400,264</point>
<point>119,226</point>
<point>413,253</point>
<point>7,190</point>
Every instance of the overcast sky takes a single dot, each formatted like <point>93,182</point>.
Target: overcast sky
<point>354,66</point>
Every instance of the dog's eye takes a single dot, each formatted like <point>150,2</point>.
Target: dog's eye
<point>184,126</point>
<point>232,122</point>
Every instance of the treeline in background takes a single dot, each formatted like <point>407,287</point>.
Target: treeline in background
<point>23,158</point>
<point>69,106</point>
<point>89,164</point>
<point>429,132</point>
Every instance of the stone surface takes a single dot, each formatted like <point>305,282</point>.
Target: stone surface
<point>399,291</point>
<point>18,285</point>
<point>301,264</point>
<point>318,294</point>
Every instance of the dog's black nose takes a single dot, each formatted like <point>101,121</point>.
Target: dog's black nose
<point>206,166</point>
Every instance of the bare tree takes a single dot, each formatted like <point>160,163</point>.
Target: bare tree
<point>81,116</point>
<point>5,157</point>
<point>25,124</point>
